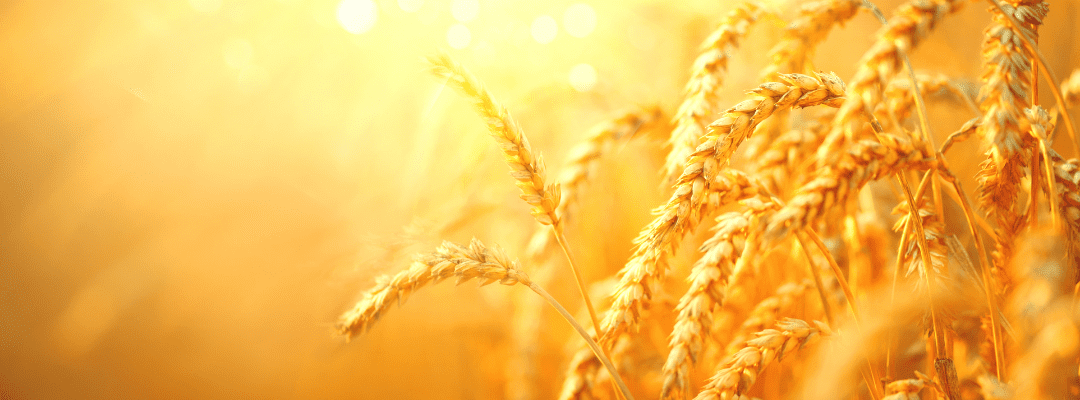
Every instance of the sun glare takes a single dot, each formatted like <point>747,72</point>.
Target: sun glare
<point>357,16</point>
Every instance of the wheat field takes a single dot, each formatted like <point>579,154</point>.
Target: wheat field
<point>767,199</point>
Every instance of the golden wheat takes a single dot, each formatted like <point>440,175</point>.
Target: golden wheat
<point>797,192</point>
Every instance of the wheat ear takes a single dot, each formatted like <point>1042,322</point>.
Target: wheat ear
<point>1007,73</point>
<point>1044,69</point>
<point>865,161</point>
<point>813,24</point>
<point>741,371</point>
<point>526,168</point>
<point>703,87</point>
<point>702,176</point>
<point>707,280</point>
<point>768,311</point>
<point>449,260</point>
<point>933,232</point>
<point>911,23</point>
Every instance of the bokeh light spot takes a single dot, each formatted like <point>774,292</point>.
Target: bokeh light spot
<point>583,77</point>
<point>579,20</point>
<point>458,36</point>
<point>410,6</point>
<point>544,29</point>
<point>465,10</point>
<point>357,16</point>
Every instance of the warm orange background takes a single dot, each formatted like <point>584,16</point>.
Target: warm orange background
<point>193,191</point>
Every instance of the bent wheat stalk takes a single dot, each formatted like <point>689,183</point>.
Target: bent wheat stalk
<point>477,261</point>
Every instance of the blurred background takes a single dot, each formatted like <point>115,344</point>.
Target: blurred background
<point>194,190</point>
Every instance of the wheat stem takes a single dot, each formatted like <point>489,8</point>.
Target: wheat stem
<point>623,390</point>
